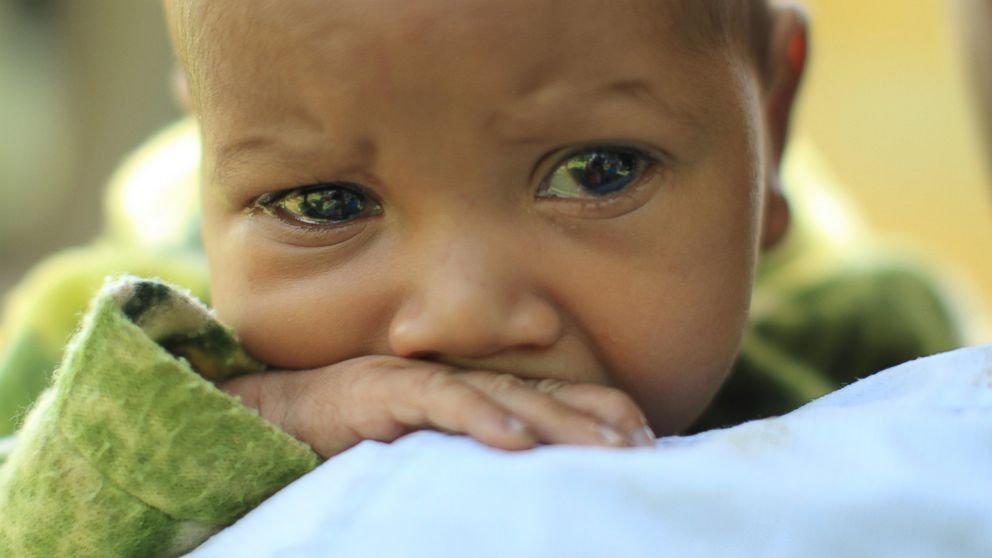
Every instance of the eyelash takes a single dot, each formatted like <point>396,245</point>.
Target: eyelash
<point>642,164</point>
<point>338,195</point>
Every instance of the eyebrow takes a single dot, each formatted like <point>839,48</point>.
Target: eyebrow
<point>527,125</point>
<point>347,159</point>
<point>232,156</point>
<point>641,92</point>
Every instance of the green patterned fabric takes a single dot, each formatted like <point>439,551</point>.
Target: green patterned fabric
<point>44,310</point>
<point>133,451</point>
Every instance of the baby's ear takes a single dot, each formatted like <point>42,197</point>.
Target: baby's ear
<point>786,62</point>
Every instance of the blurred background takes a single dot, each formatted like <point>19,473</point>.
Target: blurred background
<point>81,83</point>
<point>886,104</point>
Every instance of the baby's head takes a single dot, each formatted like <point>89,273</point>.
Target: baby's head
<point>574,190</point>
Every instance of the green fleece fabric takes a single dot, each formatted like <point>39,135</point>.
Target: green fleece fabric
<point>132,452</point>
<point>43,311</point>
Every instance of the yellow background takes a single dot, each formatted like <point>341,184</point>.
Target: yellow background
<point>888,105</point>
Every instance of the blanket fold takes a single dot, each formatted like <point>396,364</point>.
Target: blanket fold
<point>133,451</point>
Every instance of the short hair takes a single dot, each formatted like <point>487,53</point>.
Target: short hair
<point>744,24</point>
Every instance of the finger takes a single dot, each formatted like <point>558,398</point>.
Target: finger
<point>609,405</point>
<point>435,398</point>
<point>553,421</point>
<point>334,408</point>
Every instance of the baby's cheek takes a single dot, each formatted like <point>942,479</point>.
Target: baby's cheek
<point>674,371</point>
<point>673,350</point>
<point>294,318</point>
<point>299,325</point>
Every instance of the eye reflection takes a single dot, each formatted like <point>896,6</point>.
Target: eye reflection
<point>595,173</point>
<point>323,204</point>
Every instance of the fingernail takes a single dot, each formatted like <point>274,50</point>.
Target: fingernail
<point>610,436</point>
<point>514,425</point>
<point>643,437</point>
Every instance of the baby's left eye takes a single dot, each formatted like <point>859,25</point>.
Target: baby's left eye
<point>323,204</point>
<point>596,172</point>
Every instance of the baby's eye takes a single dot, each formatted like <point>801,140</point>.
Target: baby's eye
<point>595,173</point>
<point>322,204</point>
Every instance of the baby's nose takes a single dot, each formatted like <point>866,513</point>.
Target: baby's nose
<point>472,306</point>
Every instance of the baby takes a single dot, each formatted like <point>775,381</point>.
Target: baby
<point>522,221</point>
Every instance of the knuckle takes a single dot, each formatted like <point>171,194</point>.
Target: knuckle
<point>550,385</point>
<point>430,380</point>
<point>504,383</point>
<point>378,427</point>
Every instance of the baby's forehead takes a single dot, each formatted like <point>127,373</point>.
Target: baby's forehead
<point>700,23</point>
<point>233,48</point>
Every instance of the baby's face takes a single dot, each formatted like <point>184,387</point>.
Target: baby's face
<point>550,189</point>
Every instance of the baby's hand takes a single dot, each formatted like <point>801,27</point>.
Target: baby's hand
<point>381,398</point>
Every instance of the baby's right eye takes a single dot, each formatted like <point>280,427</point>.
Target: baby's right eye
<point>597,173</point>
<point>333,203</point>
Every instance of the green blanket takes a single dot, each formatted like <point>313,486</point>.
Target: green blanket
<point>133,451</point>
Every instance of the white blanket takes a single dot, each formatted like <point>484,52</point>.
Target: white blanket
<point>898,464</point>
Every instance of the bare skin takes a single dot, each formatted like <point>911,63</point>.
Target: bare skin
<point>505,219</point>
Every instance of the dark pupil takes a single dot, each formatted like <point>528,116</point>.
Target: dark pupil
<point>336,204</point>
<point>603,172</point>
